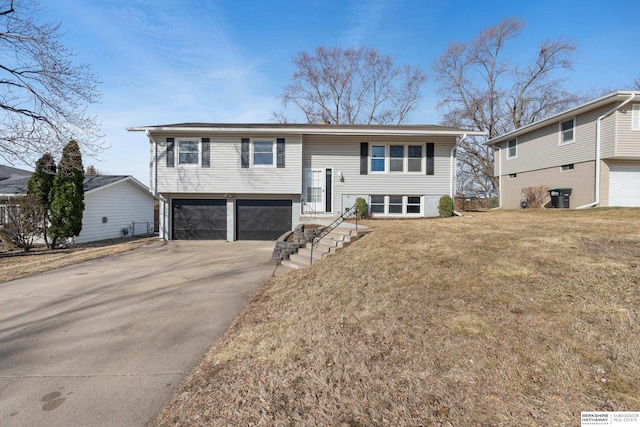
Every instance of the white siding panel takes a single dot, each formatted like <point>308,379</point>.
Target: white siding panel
<point>342,153</point>
<point>226,174</point>
<point>121,203</point>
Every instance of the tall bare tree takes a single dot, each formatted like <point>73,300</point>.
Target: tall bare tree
<point>636,83</point>
<point>43,93</point>
<point>352,86</point>
<point>480,90</point>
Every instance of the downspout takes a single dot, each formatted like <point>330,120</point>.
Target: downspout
<point>453,164</point>
<point>499,178</point>
<point>598,154</point>
<point>452,177</point>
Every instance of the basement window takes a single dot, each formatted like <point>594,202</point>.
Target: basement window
<point>513,175</point>
<point>567,167</point>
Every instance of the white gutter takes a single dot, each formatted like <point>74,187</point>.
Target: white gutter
<point>499,178</point>
<point>452,176</point>
<point>320,130</point>
<point>598,154</point>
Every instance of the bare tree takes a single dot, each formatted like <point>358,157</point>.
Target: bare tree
<point>91,170</point>
<point>352,86</point>
<point>480,90</point>
<point>23,221</point>
<point>43,93</point>
<point>636,83</point>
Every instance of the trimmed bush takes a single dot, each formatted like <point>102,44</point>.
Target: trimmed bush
<point>445,207</point>
<point>361,208</point>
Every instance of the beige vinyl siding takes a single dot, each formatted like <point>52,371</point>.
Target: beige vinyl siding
<point>540,149</point>
<point>342,153</point>
<point>226,175</point>
<point>607,133</point>
<point>581,179</point>
<point>628,142</point>
<point>121,203</point>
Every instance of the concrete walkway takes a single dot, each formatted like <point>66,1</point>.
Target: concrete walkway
<point>107,342</point>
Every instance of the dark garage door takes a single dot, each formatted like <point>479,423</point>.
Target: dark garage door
<point>199,219</point>
<point>262,219</point>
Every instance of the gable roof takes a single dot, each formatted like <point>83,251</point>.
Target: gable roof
<point>308,128</point>
<point>17,185</point>
<point>618,96</point>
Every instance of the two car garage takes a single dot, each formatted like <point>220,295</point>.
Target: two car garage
<point>209,219</point>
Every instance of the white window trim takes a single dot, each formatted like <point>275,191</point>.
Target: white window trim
<point>274,154</point>
<point>405,159</point>
<point>573,129</point>
<point>177,153</point>
<point>635,117</point>
<point>405,202</point>
<point>509,156</point>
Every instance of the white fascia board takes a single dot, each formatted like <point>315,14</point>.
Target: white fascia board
<point>307,131</point>
<point>565,115</point>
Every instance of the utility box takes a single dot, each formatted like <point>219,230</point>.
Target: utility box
<point>560,197</point>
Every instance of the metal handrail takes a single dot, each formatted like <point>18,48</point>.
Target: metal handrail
<point>346,214</point>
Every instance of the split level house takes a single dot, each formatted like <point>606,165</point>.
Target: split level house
<point>593,149</point>
<point>115,205</point>
<point>257,181</point>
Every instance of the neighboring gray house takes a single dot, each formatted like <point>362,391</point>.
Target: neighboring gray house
<point>593,148</point>
<point>256,181</point>
<point>113,203</point>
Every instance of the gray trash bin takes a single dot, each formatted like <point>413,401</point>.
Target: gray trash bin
<point>560,197</point>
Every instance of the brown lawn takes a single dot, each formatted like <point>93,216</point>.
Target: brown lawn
<point>503,318</point>
<point>17,264</point>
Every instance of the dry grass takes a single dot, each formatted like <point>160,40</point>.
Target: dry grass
<point>15,265</point>
<point>506,318</point>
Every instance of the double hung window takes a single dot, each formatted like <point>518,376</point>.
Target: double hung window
<point>378,158</point>
<point>188,151</point>
<point>566,131</point>
<point>263,153</point>
<point>512,148</point>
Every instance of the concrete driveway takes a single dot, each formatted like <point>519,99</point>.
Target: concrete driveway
<point>107,342</point>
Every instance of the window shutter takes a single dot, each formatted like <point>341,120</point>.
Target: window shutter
<point>364,158</point>
<point>206,152</point>
<point>170,152</point>
<point>245,152</point>
<point>280,148</point>
<point>430,155</point>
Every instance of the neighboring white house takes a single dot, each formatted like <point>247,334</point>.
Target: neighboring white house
<point>256,181</point>
<point>593,148</point>
<point>115,205</point>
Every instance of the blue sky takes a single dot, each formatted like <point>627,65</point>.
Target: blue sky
<point>173,61</point>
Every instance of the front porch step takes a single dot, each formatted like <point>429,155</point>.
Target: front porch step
<point>335,240</point>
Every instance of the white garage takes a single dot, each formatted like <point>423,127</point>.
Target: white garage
<point>624,185</point>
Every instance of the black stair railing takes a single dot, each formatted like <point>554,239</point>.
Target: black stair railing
<point>346,214</point>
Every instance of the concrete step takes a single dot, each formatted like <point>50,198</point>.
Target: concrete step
<point>293,264</point>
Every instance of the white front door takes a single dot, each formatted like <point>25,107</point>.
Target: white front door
<point>314,185</point>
